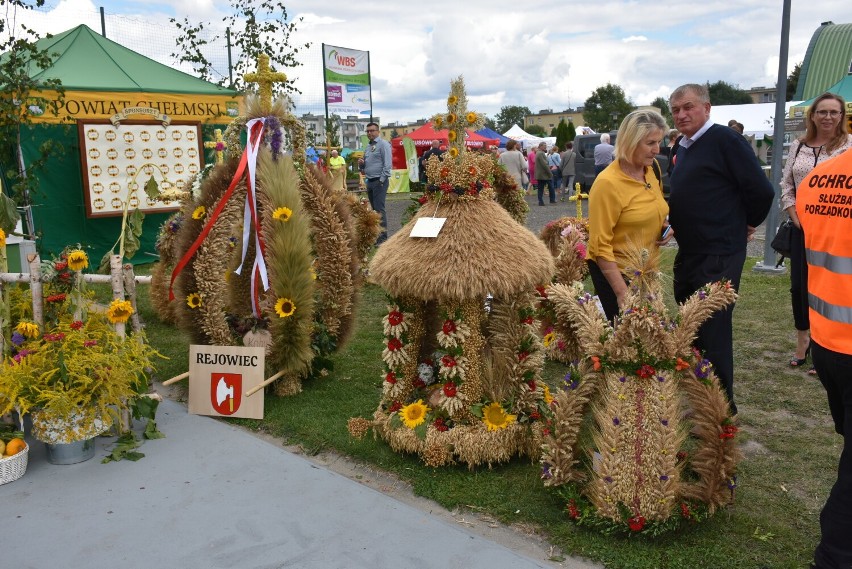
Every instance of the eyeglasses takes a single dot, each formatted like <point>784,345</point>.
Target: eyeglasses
<point>824,113</point>
<point>372,130</point>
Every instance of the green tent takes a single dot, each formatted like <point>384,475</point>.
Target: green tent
<point>102,80</point>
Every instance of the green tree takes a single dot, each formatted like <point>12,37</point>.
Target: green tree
<point>663,105</point>
<point>489,123</point>
<point>536,130</point>
<point>332,138</point>
<point>561,134</point>
<point>572,131</point>
<point>722,93</point>
<point>511,115</point>
<point>19,103</point>
<point>256,27</point>
<point>606,107</point>
<point>793,81</point>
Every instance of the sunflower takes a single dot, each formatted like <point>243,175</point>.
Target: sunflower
<point>451,118</point>
<point>549,338</point>
<point>548,398</point>
<point>199,212</point>
<point>193,300</point>
<point>451,136</point>
<point>282,214</point>
<point>119,311</point>
<point>471,117</point>
<point>452,100</point>
<point>439,122</point>
<point>2,238</point>
<point>496,418</point>
<point>27,329</point>
<point>78,260</point>
<point>285,307</point>
<point>454,152</point>
<point>414,414</point>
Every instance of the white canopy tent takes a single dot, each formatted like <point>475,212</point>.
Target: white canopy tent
<point>757,118</point>
<point>526,139</point>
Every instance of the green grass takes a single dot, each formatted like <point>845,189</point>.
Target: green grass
<point>787,436</point>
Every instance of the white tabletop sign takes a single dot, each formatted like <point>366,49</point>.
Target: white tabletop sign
<point>428,226</point>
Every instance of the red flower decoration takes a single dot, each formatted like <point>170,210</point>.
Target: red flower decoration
<point>396,406</point>
<point>395,318</point>
<point>527,320</point>
<point>681,365</point>
<point>535,415</point>
<point>449,327</point>
<point>596,363</point>
<point>450,389</point>
<point>471,171</point>
<point>728,431</point>
<point>472,190</point>
<point>446,188</point>
<point>448,361</point>
<point>394,344</point>
<point>54,337</point>
<point>64,276</point>
<point>573,512</point>
<point>684,510</point>
<point>522,356</point>
<point>546,432</point>
<point>59,297</point>
<point>422,199</point>
<point>646,371</point>
<point>445,172</point>
<point>531,385</point>
<point>636,523</point>
<point>60,266</point>
<point>439,425</point>
<point>390,377</point>
<point>541,291</point>
<point>76,325</point>
<point>418,383</point>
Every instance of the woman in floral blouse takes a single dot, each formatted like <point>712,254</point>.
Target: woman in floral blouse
<point>825,137</point>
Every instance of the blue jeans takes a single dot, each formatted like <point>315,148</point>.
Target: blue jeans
<point>552,192</point>
<point>557,178</point>
<point>377,191</point>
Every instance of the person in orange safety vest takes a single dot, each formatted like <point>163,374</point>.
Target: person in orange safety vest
<point>824,206</point>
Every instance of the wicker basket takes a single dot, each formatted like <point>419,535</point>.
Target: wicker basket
<point>13,467</point>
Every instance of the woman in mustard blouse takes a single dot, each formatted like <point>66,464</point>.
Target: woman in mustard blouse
<point>626,206</point>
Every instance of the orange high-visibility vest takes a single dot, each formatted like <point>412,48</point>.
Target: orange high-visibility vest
<point>824,206</point>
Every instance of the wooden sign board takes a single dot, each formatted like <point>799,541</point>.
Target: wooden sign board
<point>219,377</point>
<point>117,161</point>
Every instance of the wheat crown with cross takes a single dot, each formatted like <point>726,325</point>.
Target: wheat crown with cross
<point>458,172</point>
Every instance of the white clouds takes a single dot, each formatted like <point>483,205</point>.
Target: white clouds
<point>539,54</point>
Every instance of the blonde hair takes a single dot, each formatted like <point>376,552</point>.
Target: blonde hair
<point>634,128</point>
<point>840,132</point>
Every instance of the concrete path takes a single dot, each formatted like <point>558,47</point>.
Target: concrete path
<point>214,495</point>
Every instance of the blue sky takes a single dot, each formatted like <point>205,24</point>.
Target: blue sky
<point>536,54</point>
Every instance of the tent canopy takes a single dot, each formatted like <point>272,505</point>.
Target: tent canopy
<point>494,135</point>
<point>424,136</point>
<point>842,88</point>
<point>526,139</point>
<point>88,61</point>
<point>757,118</point>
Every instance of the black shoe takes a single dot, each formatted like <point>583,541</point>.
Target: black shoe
<point>799,362</point>
<point>541,203</point>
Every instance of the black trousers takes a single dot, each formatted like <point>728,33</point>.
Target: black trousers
<point>835,548</point>
<point>799,281</point>
<point>604,291</point>
<point>716,335</point>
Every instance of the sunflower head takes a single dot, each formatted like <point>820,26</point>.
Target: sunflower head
<point>471,117</point>
<point>282,214</point>
<point>454,152</point>
<point>439,123</point>
<point>496,418</point>
<point>2,238</point>
<point>199,212</point>
<point>414,414</point>
<point>193,300</point>
<point>451,136</point>
<point>119,311</point>
<point>78,260</point>
<point>451,118</point>
<point>452,100</point>
<point>285,307</point>
<point>549,338</point>
<point>27,329</point>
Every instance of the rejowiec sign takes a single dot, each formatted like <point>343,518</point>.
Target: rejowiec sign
<point>219,377</point>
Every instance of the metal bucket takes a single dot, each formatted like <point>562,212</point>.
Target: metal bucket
<point>70,453</point>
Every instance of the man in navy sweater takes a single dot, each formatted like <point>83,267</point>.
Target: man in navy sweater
<point>719,195</point>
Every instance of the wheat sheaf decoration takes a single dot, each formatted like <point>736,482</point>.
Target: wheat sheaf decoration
<point>661,441</point>
<point>268,255</point>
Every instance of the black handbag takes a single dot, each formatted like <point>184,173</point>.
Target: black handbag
<point>783,240</point>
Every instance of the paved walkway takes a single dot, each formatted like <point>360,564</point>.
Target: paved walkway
<point>215,495</point>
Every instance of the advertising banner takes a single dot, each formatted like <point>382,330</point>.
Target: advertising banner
<point>411,159</point>
<point>347,81</point>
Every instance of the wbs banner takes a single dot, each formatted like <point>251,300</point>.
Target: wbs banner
<point>347,81</point>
